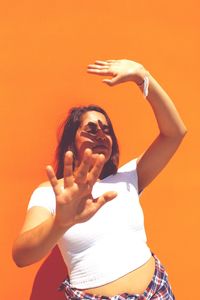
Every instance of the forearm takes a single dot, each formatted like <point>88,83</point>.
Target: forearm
<point>168,119</point>
<point>172,131</point>
<point>35,244</point>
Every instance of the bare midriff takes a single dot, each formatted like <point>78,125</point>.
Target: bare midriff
<point>134,282</point>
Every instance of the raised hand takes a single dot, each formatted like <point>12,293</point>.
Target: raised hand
<point>74,202</point>
<point>121,71</point>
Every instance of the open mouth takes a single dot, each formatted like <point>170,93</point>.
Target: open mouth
<point>100,147</point>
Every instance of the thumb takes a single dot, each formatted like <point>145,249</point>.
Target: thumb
<point>105,198</point>
<point>110,82</point>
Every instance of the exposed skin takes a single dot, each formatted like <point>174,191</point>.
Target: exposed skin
<point>171,127</point>
<point>74,203</point>
<point>99,143</point>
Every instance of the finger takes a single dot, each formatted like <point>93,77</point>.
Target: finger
<point>111,60</point>
<point>68,169</point>
<point>108,196</point>
<point>102,62</point>
<point>104,72</point>
<point>82,172</point>
<point>107,81</point>
<point>98,67</point>
<point>111,82</point>
<point>53,180</point>
<point>96,170</point>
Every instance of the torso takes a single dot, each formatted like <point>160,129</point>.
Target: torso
<point>134,282</point>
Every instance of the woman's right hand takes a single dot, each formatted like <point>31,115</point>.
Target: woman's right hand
<point>74,202</point>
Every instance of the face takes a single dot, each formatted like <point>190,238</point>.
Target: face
<point>93,133</point>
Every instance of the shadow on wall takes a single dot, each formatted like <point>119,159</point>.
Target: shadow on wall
<point>49,277</point>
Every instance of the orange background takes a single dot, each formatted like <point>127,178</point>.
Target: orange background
<point>45,47</point>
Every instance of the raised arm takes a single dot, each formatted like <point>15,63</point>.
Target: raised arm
<point>171,127</point>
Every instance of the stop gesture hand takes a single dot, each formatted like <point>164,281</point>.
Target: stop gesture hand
<point>120,70</point>
<point>74,202</point>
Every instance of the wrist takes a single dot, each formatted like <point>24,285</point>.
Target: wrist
<point>139,75</point>
<point>142,80</point>
<point>60,226</point>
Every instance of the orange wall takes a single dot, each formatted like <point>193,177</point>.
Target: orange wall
<point>45,47</point>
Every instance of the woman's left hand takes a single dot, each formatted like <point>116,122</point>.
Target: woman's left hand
<point>121,70</point>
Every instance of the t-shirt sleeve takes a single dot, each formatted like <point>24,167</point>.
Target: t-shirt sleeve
<point>44,197</point>
<point>130,169</point>
<point>135,175</point>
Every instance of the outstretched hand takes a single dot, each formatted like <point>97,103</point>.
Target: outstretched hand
<point>74,202</point>
<point>120,70</point>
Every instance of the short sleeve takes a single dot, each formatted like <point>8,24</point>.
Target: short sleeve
<point>44,197</point>
<point>130,169</point>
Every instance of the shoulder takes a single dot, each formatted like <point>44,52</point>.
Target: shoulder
<point>129,166</point>
<point>128,173</point>
<point>43,196</point>
<point>48,184</point>
<point>44,184</point>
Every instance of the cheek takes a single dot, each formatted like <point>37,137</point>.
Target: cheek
<point>81,143</point>
<point>78,144</point>
<point>78,140</point>
<point>111,142</point>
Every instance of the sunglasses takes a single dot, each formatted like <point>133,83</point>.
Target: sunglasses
<point>92,128</point>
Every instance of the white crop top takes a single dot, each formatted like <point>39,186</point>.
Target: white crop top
<point>110,244</point>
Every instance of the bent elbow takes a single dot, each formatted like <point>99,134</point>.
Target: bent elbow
<point>16,260</point>
<point>19,264</point>
<point>19,257</point>
<point>181,133</point>
<point>184,132</point>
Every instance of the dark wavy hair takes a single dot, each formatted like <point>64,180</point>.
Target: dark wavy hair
<point>67,134</point>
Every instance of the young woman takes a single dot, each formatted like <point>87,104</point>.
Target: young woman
<point>91,207</point>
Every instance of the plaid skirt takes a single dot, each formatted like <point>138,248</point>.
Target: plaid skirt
<point>158,289</point>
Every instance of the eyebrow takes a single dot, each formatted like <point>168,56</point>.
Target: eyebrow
<point>95,124</point>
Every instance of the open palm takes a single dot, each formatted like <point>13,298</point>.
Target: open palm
<point>74,202</point>
<point>121,70</point>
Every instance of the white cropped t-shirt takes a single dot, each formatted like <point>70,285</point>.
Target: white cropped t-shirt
<point>110,244</point>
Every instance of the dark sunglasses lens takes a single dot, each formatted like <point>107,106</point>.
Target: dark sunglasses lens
<point>94,130</point>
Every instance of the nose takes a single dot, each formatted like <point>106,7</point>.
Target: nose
<point>100,135</point>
